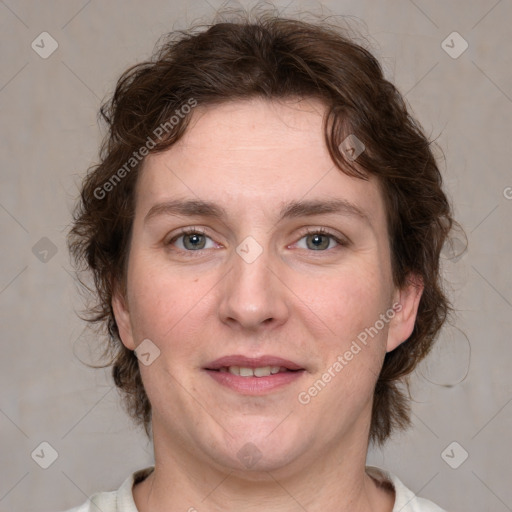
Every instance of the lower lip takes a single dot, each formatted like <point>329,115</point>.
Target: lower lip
<point>255,385</point>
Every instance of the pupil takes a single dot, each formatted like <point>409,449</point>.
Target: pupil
<point>194,240</point>
<point>317,242</point>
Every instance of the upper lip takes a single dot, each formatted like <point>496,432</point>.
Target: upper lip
<point>252,362</point>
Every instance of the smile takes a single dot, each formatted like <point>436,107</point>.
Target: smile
<point>262,371</point>
<point>254,376</point>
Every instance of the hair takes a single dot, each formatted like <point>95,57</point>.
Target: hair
<point>275,58</point>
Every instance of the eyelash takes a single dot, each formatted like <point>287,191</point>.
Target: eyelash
<point>185,232</point>
<point>309,231</point>
<point>324,232</point>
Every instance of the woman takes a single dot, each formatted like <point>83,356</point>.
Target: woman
<point>264,230</point>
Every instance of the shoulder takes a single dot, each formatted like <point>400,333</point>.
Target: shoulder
<point>104,501</point>
<point>120,500</point>
<point>405,499</point>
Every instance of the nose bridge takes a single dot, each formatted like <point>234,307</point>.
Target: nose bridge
<point>252,295</point>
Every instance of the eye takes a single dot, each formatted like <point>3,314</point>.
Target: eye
<point>191,240</point>
<point>320,240</point>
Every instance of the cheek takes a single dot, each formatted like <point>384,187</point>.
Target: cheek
<point>350,347</point>
<point>164,303</point>
<point>348,300</point>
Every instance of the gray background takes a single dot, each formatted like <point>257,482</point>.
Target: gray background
<point>49,136</point>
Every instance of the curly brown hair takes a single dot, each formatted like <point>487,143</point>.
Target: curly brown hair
<point>271,57</point>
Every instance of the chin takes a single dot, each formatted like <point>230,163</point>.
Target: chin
<point>252,463</point>
<point>259,449</point>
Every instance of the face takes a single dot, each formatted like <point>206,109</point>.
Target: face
<point>272,314</point>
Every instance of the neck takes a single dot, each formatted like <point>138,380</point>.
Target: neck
<point>334,480</point>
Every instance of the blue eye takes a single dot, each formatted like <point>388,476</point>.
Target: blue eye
<point>320,240</point>
<point>193,240</point>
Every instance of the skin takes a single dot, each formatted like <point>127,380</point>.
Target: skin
<point>294,301</point>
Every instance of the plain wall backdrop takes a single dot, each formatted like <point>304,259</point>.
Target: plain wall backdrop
<point>50,136</point>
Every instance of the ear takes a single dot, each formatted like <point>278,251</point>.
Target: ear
<point>405,304</point>
<point>122,316</point>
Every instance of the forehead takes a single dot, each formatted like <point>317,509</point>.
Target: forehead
<point>254,154</point>
<point>256,121</point>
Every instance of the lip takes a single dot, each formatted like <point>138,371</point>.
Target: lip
<point>252,362</point>
<point>254,385</point>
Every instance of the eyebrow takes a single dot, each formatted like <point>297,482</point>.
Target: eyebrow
<point>293,209</point>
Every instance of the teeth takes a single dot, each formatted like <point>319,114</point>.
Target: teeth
<point>263,371</point>
<point>235,370</point>
<point>246,372</point>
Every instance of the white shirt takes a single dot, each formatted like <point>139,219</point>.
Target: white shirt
<point>122,499</point>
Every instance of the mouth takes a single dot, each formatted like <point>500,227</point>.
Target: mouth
<point>254,376</point>
<point>260,371</point>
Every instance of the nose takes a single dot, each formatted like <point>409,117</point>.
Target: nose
<point>253,296</point>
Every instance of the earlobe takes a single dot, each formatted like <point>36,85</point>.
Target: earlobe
<point>407,301</point>
<point>122,317</point>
